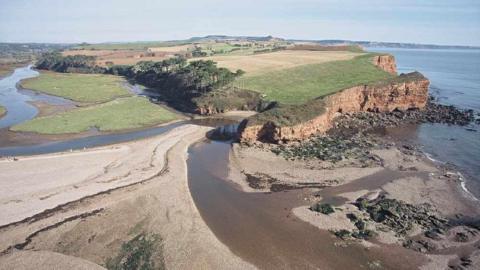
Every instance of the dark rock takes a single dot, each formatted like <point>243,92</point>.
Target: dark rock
<point>323,208</point>
<point>433,113</point>
<point>461,237</point>
<point>352,217</point>
<point>360,224</point>
<point>433,234</point>
<point>364,234</point>
<point>259,181</point>
<point>400,216</point>
<point>343,234</point>
<point>419,245</point>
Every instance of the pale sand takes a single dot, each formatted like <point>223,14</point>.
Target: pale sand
<point>335,221</point>
<point>161,205</point>
<point>26,260</point>
<point>236,115</point>
<point>442,193</point>
<point>421,182</point>
<point>437,262</point>
<point>257,161</point>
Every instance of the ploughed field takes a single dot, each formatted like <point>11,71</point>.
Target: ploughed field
<point>86,88</point>
<point>103,103</point>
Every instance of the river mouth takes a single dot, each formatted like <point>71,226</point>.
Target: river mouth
<point>261,228</point>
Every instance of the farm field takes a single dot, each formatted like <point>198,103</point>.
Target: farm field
<point>131,53</point>
<point>8,68</point>
<point>264,63</point>
<point>302,83</point>
<point>119,114</point>
<point>172,49</point>
<point>121,57</point>
<point>86,88</point>
<point>128,45</point>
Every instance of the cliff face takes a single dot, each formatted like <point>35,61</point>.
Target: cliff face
<point>386,62</point>
<point>407,91</point>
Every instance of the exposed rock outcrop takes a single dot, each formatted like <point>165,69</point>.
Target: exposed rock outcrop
<point>386,62</point>
<point>404,92</point>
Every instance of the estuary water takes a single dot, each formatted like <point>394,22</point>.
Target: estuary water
<point>455,80</point>
<point>17,101</point>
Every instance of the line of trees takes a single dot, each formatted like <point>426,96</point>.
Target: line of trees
<point>72,63</point>
<point>177,77</point>
<point>173,77</point>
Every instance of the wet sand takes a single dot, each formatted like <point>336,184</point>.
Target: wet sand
<point>423,183</point>
<point>78,205</point>
<point>137,187</point>
<point>262,229</point>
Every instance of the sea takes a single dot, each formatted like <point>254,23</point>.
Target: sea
<point>454,80</point>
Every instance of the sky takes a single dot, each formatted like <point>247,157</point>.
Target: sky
<point>444,22</point>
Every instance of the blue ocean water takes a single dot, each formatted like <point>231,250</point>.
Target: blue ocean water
<point>455,80</point>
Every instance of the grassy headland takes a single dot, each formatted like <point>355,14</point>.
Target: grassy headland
<point>300,84</point>
<point>122,113</point>
<point>87,88</point>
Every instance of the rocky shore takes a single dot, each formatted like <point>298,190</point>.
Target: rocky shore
<point>432,113</point>
<point>353,135</point>
<point>415,204</point>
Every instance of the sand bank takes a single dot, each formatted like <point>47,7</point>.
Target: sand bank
<point>141,188</point>
<point>402,175</point>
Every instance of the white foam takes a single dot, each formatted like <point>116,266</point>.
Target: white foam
<point>430,157</point>
<point>464,187</point>
<point>461,177</point>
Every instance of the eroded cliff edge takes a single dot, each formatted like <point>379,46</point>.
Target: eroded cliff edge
<point>287,123</point>
<point>385,62</point>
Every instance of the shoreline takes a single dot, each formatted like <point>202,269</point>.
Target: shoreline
<point>439,186</point>
<point>160,206</point>
<point>462,178</point>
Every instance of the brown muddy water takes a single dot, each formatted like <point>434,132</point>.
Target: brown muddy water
<point>261,229</point>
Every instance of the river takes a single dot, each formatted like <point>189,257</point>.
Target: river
<point>17,101</point>
<point>260,227</point>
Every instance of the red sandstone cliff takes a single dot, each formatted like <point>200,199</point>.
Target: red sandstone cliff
<point>406,91</point>
<point>386,62</point>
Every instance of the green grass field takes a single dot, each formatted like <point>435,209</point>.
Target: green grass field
<point>3,111</point>
<point>119,114</point>
<point>300,84</point>
<point>78,87</point>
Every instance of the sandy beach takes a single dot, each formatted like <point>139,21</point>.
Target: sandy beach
<point>86,204</point>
